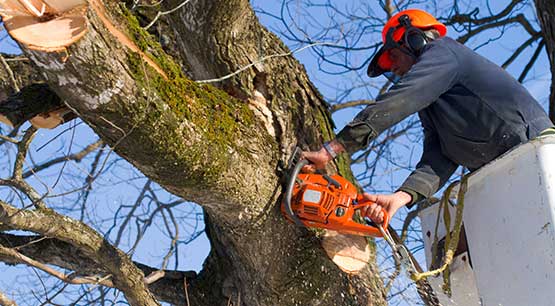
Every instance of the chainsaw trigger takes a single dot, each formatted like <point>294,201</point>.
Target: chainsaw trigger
<point>369,222</point>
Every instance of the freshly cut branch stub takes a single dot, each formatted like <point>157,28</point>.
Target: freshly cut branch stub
<point>52,119</point>
<point>45,25</point>
<point>350,253</point>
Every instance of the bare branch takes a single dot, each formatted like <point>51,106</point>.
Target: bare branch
<point>9,139</point>
<point>22,148</point>
<point>500,23</point>
<point>468,18</point>
<point>11,77</point>
<point>160,14</point>
<point>520,49</point>
<point>532,61</point>
<point>77,157</point>
<point>341,106</point>
<point>125,274</point>
<point>64,255</point>
<point>265,58</point>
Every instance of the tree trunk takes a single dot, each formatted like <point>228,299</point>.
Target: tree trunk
<point>222,147</point>
<point>546,15</point>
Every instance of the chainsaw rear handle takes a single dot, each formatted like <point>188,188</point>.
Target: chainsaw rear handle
<point>289,191</point>
<point>362,202</point>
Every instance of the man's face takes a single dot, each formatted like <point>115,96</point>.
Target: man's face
<point>401,62</point>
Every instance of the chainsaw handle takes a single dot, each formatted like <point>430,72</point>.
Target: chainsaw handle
<point>332,181</point>
<point>289,191</point>
<point>364,202</point>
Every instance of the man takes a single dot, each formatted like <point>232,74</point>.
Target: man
<point>471,110</point>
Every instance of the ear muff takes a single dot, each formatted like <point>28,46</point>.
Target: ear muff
<point>414,38</point>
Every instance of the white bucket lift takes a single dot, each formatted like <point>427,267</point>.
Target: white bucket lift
<point>509,223</point>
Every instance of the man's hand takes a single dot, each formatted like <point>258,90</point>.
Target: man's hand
<point>319,159</point>
<point>390,202</point>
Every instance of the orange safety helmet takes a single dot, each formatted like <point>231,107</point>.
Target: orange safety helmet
<point>404,28</point>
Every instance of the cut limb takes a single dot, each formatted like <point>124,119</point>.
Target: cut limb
<point>48,26</point>
<point>350,253</point>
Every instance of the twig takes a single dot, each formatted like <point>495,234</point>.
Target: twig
<point>22,148</point>
<point>532,61</point>
<point>17,59</point>
<point>337,107</point>
<point>165,13</point>
<point>10,73</point>
<point>9,139</point>
<point>262,60</point>
<point>186,291</point>
<point>75,157</point>
<point>154,277</point>
<point>520,49</point>
<point>58,135</point>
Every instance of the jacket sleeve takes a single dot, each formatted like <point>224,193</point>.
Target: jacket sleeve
<point>432,171</point>
<point>433,74</point>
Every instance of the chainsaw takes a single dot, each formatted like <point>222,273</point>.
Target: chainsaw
<point>328,202</point>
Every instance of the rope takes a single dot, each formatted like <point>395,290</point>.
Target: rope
<point>451,240</point>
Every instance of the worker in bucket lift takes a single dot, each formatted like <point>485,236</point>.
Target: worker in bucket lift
<point>471,110</point>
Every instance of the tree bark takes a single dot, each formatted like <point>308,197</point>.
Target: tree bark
<point>222,147</point>
<point>62,254</point>
<point>546,15</point>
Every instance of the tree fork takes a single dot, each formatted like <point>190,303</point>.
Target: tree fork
<point>208,147</point>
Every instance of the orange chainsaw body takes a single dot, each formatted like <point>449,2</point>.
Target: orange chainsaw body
<point>329,202</point>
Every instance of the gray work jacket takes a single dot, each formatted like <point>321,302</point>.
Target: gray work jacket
<point>471,110</point>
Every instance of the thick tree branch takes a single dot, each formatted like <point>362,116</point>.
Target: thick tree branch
<point>64,255</point>
<point>22,148</point>
<point>206,146</point>
<point>11,255</point>
<point>125,275</point>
